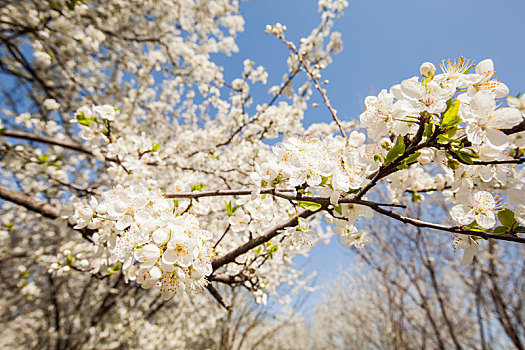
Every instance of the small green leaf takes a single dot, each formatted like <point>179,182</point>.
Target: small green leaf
<point>465,157</point>
<point>451,117</point>
<point>412,158</point>
<point>114,268</point>
<point>257,250</point>
<point>229,209</point>
<point>379,158</point>
<point>500,229</point>
<point>324,180</point>
<point>43,158</point>
<point>428,130</point>
<point>70,260</point>
<point>452,132</point>
<point>402,166</point>
<point>520,229</point>
<point>54,5</point>
<point>312,206</point>
<point>272,250</point>
<point>155,147</point>
<point>415,197</point>
<point>82,119</point>
<point>338,209</point>
<point>198,187</point>
<point>506,217</point>
<point>395,151</point>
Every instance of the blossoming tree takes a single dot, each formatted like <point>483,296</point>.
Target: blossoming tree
<point>121,131</point>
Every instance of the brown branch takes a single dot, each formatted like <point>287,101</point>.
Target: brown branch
<point>49,140</point>
<point>217,296</point>
<point>218,193</point>
<point>452,229</point>
<point>317,86</point>
<point>27,202</point>
<point>232,255</point>
<point>38,207</point>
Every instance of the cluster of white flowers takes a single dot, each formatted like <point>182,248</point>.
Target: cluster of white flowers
<point>138,228</point>
<point>330,166</point>
<point>457,119</point>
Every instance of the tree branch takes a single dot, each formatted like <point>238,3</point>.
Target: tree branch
<point>452,229</point>
<point>48,140</point>
<point>232,255</point>
<point>27,202</point>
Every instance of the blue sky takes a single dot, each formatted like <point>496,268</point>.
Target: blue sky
<point>385,42</point>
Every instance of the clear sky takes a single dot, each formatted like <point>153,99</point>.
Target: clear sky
<point>385,42</point>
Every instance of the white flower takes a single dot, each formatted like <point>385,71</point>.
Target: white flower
<point>351,236</point>
<point>454,73</point>
<point>148,277</point>
<point>431,97</point>
<point>469,246</point>
<point>517,102</point>
<point>517,197</point>
<point>479,207</point>
<point>378,115</point>
<point>426,156</point>
<point>427,69</point>
<point>171,284</point>
<point>147,255</point>
<point>181,251</point>
<point>483,120</point>
<point>106,112</point>
<point>51,104</point>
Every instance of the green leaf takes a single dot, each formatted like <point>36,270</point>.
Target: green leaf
<point>338,209</point>
<point>379,158</point>
<point>500,229</point>
<point>272,250</point>
<point>70,260</point>
<point>82,119</point>
<point>451,117</point>
<point>54,5</point>
<point>412,158</point>
<point>452,132</point>
<point>473,226</point>
<point>155,147</point>
<point>43,158</point>
<point>506,217</point>
<point>443,138</point>
<point>229,209</point>
<point>520,229</point>
<point>402,166</point>
<point>415,197</point>
<point>257,250</point>
<point>324,180</point>
<point>114,268</point>
<point>465,157</point>
<point>312,206</point>
<point>396,151</point>
<point>428,130</point>
<point>198,187</point>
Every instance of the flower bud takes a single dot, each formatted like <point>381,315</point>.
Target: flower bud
<point>426,156</point>
<point>427,69</point>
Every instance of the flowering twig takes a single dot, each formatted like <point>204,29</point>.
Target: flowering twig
<point>322,91</point>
